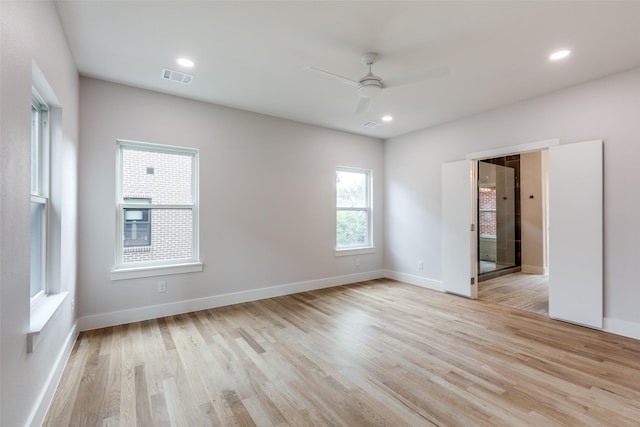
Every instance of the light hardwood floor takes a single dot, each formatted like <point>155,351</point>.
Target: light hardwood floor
<point>528,292</point>
<point>374,353</point>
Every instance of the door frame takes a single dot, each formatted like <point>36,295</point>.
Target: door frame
<point>529,147</point>
<point>514,149</point>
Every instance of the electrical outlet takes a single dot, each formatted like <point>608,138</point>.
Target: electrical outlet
<point>162,286</point>
<point>420,265</point>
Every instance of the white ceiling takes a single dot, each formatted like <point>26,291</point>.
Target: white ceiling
<point>252,55</point>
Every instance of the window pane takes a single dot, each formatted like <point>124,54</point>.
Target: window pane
<point>37,248</point>
<point>35,149</point>
<point>352,228</point>
<point>487,211</point>
<point>172,231</point>
<point>488,223</point>
<point>137,227</point>
<point>165,178</point>
<point>351,189</point>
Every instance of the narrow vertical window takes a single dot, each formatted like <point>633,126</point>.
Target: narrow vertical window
<point>157,205</point>
<point>353,208</point>
<point>39,197</point>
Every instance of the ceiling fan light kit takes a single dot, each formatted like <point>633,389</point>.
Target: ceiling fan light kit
<point>370,86</point>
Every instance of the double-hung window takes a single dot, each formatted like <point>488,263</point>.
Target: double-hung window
<point>157,210</point>
<point>353,209</point>
<point>39,197</point>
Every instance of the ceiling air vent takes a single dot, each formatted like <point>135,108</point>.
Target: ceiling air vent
<point>371,125</point>
<point>177,76</point>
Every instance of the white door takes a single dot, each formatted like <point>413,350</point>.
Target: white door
<point>575,233</point>
<point>459,235</point>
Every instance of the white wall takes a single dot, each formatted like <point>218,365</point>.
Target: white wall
<point>608,109</point>
<point>30,31</point>
<point>267,200</point>
<point>531,213</point>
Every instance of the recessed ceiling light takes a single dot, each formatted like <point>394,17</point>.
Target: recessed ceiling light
<point>387,118</point>
<point>559,55</point>
<point>185,62</point>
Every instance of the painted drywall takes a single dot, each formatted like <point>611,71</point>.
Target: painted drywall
<point>31,31</point>
<point>267,202</point>
<point>607,109</point>
<point>531,213</point>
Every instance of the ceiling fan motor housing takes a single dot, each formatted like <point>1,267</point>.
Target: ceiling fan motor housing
<point>369,86</point>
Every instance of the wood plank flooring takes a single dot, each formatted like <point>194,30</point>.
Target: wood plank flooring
<point>373,353</point>
<point>528,292</point>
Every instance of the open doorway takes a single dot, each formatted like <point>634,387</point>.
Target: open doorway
<point>512,207</point>
<point>575,242</point>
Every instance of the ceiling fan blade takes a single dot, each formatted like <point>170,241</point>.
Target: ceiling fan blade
<point>363,105</point>
<point>430,73</point>
<point>333,76</point>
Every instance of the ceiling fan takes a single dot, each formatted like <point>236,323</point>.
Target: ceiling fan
<point>371,85</point>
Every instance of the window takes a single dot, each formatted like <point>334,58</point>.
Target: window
<point>157,215</point>
<point>39,196</point>
<point>353,208</point>
<point>488,223</point>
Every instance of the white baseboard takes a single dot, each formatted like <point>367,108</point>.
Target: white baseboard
<point>411,279</point>
<point>104,320</point>
<point>46,395</point>
<point>622,327</point>
<point>534,269</point>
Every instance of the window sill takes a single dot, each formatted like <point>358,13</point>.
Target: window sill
<point>41,315</point>
<point>155,270</point>
<point>355,251</point>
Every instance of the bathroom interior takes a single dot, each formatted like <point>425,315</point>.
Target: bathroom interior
<point>499,244</point>
<point>512,207</point>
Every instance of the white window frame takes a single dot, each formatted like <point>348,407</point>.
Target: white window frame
<point>46,303</point>
<point>368,246</point>
<point>39,190</point>
<point>161,267</point>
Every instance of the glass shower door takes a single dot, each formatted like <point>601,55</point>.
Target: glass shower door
<point>497,217</point>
